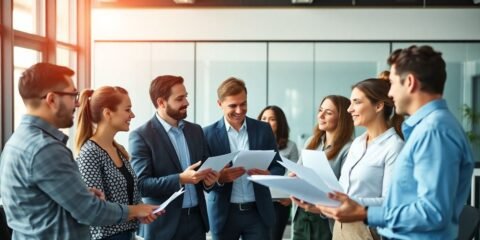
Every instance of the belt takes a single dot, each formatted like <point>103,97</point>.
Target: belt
<point>244,206</point>
<point>190,210</point>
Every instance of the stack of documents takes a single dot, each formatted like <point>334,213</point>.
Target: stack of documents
<point>169,200</point>
<point>313,181</point>
<point>248,159</point>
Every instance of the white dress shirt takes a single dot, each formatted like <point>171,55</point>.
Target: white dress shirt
<point>368,169</point>
<point>242,188</point>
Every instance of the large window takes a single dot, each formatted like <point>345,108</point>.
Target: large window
<point>23,59</point>
<point>35,31</point>
<point>29,16</point>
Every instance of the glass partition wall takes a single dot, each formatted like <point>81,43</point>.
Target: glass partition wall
<point>296,76</point>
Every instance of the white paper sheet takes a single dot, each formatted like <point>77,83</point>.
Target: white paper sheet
<point>297,187</point>
<point>169,200</point>
<point>317,160</point>
<point>218,162</point>
<point>260,159</point>
<point>307,174</point>
<point>278,194</point>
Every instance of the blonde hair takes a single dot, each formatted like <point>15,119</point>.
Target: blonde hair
<point>231,87</point>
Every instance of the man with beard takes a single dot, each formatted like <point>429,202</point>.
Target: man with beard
<point>42,191</point>
<point>166,151</point>
<point>237,206</point>
<point>432,176</point>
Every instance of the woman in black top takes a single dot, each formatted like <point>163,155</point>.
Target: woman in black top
<point>103,162</point>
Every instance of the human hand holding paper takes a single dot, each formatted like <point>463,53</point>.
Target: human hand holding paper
<point>169,200</point>
<point>256,171</point>
<point>296,187</point>
<point>229,174</point>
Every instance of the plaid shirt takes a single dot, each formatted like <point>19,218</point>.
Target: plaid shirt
<point>42,191</point>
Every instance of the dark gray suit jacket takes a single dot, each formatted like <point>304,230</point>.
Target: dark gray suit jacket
<point>157,166</point>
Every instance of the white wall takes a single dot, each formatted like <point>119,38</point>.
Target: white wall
<point>286,24</point>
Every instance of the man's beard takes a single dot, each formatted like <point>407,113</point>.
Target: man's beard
<point>176,114</point>
<point>65,118</point>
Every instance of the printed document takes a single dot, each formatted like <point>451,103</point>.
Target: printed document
<point>169,200</point>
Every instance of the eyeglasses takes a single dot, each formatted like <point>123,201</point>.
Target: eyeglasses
<point>73,94</point>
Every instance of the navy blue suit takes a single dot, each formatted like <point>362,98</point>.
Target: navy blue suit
<point>157,166</point>
<point>260,137</point>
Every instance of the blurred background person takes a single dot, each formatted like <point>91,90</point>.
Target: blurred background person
<point>332,134</point>
<point>103,163</point>
<point>275,116</point>
<point>384,75</point>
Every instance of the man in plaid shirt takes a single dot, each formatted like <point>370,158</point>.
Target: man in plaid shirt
<point>41,188</point>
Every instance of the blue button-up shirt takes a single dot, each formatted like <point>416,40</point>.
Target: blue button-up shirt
<point>242,188</point>
<point>431,181</point>
<point>179,142</point>
<point>42,191</point>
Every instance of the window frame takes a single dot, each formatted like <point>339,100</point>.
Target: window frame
<point>47,45</point>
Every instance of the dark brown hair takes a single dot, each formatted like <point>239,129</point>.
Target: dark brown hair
<point>161,87</point>
<point>424,63</point>
<point>230,87</point>
<point>40,79</point>
<point>343,132</point>
<point>282,133</point>
<point>376,90</point>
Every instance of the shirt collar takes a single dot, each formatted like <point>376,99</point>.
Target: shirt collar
<point>167,126</point>
<point>382,137</point>
<point>228,126</point>
<point>421,113</point>
<point>45,126</point>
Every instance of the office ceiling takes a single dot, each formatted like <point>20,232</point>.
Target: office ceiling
<point>283,3</point>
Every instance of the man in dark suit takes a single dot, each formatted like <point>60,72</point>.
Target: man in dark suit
<point>238,207</point>
<point>165,153</point>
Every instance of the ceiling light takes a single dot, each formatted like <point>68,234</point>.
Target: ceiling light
<point>184,1</point>
<point>302,1</point>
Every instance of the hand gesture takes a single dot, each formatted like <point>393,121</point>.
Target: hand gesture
<point>256,171</point>
<point>97,193</point>
<point>211,178</point>
<point>348,211</point>
<point>229,174</point>
<point>308,207</point>
<point>149,219</point>
<point>285,202</point>
<point>190,176</point>
<point>143,211</point>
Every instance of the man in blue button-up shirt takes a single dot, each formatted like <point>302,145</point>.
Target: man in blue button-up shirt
<point>431,181</point>
<point>42,191</point>
<point>237,207</point>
